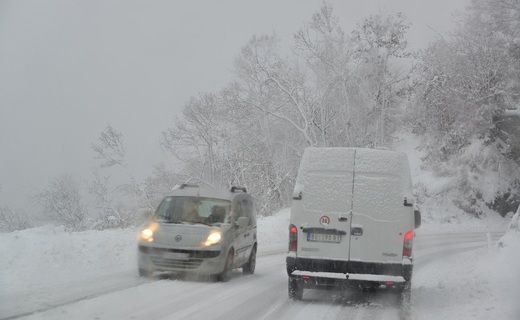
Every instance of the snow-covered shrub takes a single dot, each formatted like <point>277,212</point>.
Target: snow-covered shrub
<point>12,221</point>
<point>484,179</point>
<point>62,201</point>
<point>115,220</point>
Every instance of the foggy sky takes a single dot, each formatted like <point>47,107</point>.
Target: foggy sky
<point>68,68</point>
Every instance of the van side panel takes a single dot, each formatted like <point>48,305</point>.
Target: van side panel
<point>325,180</point>
<point>381,182</point>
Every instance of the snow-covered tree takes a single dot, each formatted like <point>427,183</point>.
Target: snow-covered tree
<point>63,201</point>
<point>253,132</point>
<point>110,149</point>
<point>466,82</point>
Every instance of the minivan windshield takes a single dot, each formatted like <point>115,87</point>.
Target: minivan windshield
<point>208,211</point>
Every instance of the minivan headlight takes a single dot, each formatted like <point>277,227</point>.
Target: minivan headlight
<point>147,233</point>
<point>213,238</point>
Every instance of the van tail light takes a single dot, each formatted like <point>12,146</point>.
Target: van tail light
<point>407,244</point>
<point>293,237</point>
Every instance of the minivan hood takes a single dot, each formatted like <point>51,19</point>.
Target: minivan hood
<point>182,236</point>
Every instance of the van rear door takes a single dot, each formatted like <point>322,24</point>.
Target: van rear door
<point>379,217</point>
<point>323,215</point>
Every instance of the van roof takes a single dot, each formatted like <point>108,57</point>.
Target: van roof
<point>371,161</point>
<point>376,149</point>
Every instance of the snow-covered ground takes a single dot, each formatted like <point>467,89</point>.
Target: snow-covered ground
<point>91,275</point>
<point>48,266</point>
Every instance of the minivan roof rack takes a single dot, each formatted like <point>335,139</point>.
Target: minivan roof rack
<point>188,185</point>
<point>234,189</point>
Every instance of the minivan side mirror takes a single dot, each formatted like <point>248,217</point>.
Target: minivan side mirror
<point>417,217</point>
<point>297,196</point>
<point>242,222</point>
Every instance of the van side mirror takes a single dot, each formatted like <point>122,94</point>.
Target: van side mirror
<point>297,196</point>
<point>242,222</point>
<point>417,217</point>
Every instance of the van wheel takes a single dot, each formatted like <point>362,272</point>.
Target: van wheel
<point>225,275</point>
<point>295,288</point>
<point>405,293</point>
<point>249,267</point>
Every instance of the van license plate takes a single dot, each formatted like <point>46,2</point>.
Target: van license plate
<point>323,237</point>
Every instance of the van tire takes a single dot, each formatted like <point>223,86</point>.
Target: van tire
<point>225,275</point>
<point>405,293</point>
<point>295,288</point>
<point>407,272</point>
<point>249,267</point>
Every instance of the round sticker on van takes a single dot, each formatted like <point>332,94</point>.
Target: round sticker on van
<point>324,220</point>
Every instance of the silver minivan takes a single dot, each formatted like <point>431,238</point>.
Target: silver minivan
<point>199,230</point>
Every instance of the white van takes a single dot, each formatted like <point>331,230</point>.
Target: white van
<point>352,220</point>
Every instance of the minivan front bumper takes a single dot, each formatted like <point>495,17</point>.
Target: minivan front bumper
<point>180,260</point>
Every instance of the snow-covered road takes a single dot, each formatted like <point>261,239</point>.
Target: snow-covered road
<point>264,294</point>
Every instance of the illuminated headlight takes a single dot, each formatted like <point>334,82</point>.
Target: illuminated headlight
<point>147,235</point>
<point>213,238</point>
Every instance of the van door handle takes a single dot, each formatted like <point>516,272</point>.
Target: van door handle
<point>343,219</point>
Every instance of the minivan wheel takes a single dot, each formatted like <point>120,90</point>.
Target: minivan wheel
<point>225,275</point>
<point>249,267</point>
<point>295,288</point>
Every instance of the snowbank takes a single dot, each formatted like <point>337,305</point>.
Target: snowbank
<point>476,284</point>
<point>504,268</point>
<point>41,258</point>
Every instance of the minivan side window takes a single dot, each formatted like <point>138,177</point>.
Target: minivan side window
<point>247,207</point>
<point>243,207</point>
<point>236,211</point>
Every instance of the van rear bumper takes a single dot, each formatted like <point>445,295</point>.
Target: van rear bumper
<point>348,267</point>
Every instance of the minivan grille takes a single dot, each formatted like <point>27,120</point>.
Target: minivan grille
<point>193,260</point>
<point>176,263</point>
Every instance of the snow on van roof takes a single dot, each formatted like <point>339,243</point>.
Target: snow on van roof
<point>334,158</point>
<point>337,162</point>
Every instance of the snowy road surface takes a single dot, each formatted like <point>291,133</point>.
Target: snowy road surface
<point>440,259</point>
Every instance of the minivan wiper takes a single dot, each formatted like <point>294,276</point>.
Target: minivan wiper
<point>171,221</point>
<point>205,224</point>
